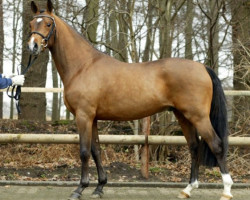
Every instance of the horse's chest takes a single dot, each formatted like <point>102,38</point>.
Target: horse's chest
<point>69,104</point>
<point>78,99</point>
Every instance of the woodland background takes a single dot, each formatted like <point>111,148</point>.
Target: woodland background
<point>213,32</point>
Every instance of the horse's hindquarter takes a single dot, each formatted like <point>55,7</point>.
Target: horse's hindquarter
<point>190,87</point>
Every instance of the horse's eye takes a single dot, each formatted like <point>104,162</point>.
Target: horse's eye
<point>48,24</point>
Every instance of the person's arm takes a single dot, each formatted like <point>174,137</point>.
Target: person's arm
<point>14,80</point>
<point>5,82</point>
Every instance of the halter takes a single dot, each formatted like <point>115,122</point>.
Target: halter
<point>45,39</point>
<point>17,95</point>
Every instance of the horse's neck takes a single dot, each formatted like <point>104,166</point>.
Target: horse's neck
<point>70,51</point>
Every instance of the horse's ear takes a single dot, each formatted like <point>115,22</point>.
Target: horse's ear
<point>49,6</point>
<point>34,7</point>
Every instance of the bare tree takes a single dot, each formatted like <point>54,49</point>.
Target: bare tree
<point>166,28</point>
<point>33,106</point>
<point>189,30</point>
<point>241,58</point>
<point>1,53</point>
<point>212,14</point>
<point>213,30</point>
<point>55,101</point>
<point>91,19</point>
<point>123,32</point>
<point>148,44</point>
<point>113,28</point>
<point>15,21</point>
<point>132,36</point>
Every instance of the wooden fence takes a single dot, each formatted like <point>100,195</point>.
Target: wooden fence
<point>58,90</point>
<point>107,139</point>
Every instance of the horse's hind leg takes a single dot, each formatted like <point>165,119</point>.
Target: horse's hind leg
<point>96,154</point>
<point>207,132</point>
<point>190,134</point>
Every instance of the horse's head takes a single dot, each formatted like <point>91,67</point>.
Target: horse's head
<point>42,28</point>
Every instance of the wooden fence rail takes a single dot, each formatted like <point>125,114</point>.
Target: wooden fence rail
<point>58,90</point>
<point>107,139</point>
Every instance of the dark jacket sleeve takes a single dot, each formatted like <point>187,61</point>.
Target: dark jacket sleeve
<point>4,82</point>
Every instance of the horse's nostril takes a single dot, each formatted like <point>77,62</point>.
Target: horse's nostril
<point>35,46</point>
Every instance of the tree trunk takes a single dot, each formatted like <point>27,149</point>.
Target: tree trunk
<point>55,116</point>
<point>107,30</point>
<point>33,106</point>
<point>123,32</point>
<point>165,7</point>
<point>148,45</point>
<point>55,102</point>
<point>241,52</point>
<point>189,30</point>
<point>213,30</point>
<point>113,29</point>
<point>134,52</point>
<point>1,54</point>
<point>91,19</point>
<point>67,115</point>
<point>15,23</point>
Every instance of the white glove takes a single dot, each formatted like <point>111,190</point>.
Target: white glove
<point>18,80</point>
<point>8,75</point>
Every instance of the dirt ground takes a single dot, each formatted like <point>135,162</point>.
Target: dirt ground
<point>61,162</point>
<point>111,193</point>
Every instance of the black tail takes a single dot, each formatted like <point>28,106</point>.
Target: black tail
<point>218,117</point>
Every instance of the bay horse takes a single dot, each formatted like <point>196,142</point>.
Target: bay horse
<point>98,87</point>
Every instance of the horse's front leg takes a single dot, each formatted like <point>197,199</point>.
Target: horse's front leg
<point>96,154</point>
<point>84,125</point>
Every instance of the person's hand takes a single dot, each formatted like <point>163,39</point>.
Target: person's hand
<point>8,75</point>
<point>18,80</point>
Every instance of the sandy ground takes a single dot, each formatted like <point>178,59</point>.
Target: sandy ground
<point>113,193</point>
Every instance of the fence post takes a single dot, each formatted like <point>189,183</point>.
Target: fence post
<point>145,148</point>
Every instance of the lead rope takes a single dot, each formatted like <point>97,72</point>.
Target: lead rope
<point>17,95</point>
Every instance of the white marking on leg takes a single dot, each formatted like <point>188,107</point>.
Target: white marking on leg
<point>31,44</point>
<point>228,182</point>
<point>190,187</point>
<point>39,20</point>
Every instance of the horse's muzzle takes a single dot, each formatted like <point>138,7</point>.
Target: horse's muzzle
<point>33,47</point>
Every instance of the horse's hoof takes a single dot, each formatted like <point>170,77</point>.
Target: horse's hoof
<point>226,197</point>
<point>97,195</point>
<point>75,196</point>
<point>183,195</point>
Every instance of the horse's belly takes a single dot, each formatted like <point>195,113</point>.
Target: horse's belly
<point>124,116</point>
<point>129,112</point>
